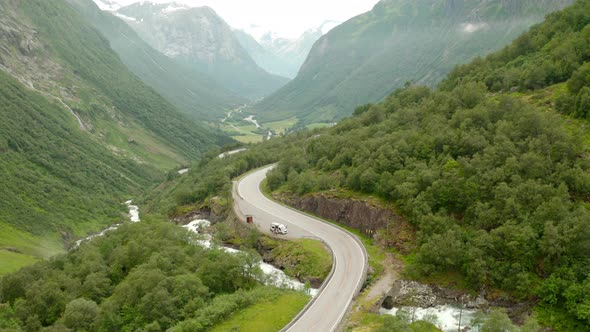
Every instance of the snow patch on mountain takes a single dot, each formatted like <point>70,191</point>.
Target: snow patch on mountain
<point>114,5</point>
<point>125,17</point>
<point>259,33</point>
<point>108,5</point>
<point>174,7</point>
<point>266,36</point>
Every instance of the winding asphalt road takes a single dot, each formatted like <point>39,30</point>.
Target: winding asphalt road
<point>327,309</point>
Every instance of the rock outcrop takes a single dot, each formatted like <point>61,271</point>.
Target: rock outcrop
<point>407,293</point>
<point>381,223</point>
<point>213,211</point>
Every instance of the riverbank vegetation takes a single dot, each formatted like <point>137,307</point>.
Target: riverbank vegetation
<point>307,260</point>
<point>123,282</point>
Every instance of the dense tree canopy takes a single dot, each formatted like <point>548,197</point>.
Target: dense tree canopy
<point>145,276</point>
<point>495,187</point>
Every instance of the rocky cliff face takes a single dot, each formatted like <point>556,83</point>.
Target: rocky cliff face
<point>214,211</point>
<point>381,223</point>
<point>22,53</point>
<point>200,38</point>
<point>179,31</point>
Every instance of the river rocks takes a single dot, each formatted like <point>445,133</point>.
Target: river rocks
<point>14,250</point>
<point>406,293</point>
<point>213,211</point>
<point>410,293</point>
<point>186,218</point>
<point>415,294</point>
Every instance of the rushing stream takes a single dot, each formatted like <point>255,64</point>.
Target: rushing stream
<point>133,212</point>
<point>229,153</point>
<point>133,217</point>
<point>447,317</point>
<point>274,277</point>
<point>252,121</point>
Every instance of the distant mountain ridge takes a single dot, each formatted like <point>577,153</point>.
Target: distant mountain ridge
<point>365,58</point>
<point>191,91</point>
<point>199,38</point>
<point>280,55</point>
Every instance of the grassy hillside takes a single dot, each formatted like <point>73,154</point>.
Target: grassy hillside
<point>554,52</point>
<point>367,57</point>
<point>191,91</point>
<point>55,178</point>
<point>79,46</point>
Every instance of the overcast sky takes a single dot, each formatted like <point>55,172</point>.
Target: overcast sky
<point>289,18</point>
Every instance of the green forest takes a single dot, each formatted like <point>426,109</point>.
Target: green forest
<point>121,282</point>
<point>497,189</point>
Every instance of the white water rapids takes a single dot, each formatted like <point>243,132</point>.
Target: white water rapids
<point>133,212</point>
<point>273,276</point>
<point>229,153</point>
<point>133,217</point>
<point>447,317</point>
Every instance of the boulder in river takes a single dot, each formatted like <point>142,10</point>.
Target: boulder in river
<point>410,293</point>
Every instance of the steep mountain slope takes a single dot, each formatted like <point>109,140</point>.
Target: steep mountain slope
<point>199,38</point>
<point>191,91</point>
<point>80,133</point>
<point>365,58</point>
<point>281,56</point>
<point>66,57</point>
<point>53,174</point>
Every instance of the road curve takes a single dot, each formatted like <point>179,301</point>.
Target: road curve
<point>328,308</point>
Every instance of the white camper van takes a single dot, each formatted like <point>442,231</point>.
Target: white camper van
<point>277,228</point>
